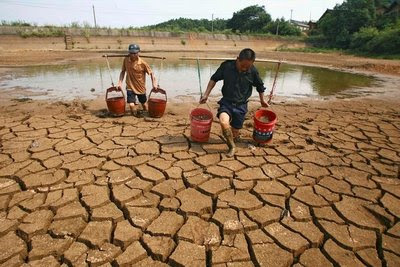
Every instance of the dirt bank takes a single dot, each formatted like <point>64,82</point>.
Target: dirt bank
<point>335,60</point>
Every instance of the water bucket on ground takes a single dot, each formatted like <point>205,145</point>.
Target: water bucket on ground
<point>156,105</point>
<point>200,124</point>
<point>116,104</point>
<point>264,126</point>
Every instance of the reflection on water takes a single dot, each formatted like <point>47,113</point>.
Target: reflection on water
<point>90,79</point>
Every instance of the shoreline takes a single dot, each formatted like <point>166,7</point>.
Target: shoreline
<point>337,61</point>
<point>387,81</point>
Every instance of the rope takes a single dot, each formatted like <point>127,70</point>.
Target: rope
<point>109,71</point>
<point>198,73</point>
<point>161,70</point>
<point>271,94</point>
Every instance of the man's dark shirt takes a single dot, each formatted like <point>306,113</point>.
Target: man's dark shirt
<point>238,86</point>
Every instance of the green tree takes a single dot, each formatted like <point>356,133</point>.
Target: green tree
<point>346,19</point>
<point>361,40</point>
<point>382,3</point>
<point>371,40</point>
<point>282,27</point>
<point>250,19</point>
<point>385,20</point>
<point>184,24</point>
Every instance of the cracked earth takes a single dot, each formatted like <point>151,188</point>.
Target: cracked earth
<point>81,190</point>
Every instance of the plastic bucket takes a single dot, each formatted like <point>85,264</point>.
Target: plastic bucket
<point>157,106</point>
<point>264,126</point>
<point>200,125</point>
<point>115,105</point>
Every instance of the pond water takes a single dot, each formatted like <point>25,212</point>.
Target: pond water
<point>180,78</point>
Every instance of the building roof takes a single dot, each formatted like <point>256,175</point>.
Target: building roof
<point>328,11</point>
<point>299,23</point>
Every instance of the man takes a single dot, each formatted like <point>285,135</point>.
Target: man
<point>239,77</point>
<point>136,70</point>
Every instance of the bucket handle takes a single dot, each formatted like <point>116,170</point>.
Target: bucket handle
<point>114,89</point>
<point>198,105</point>
<point>160,91</point>
<point>209,108</point>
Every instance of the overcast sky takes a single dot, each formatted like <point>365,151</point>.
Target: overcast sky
<point>125,13</point>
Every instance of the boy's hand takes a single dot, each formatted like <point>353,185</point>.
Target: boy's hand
<point>119,86</point>
<point>264,104</point>
<point>203,99</point>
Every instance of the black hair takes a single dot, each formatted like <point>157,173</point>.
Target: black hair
<point>247,54</point>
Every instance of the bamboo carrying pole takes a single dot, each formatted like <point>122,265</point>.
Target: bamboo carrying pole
<point>222,58</point>
<point>279,62</point>
<point>126,55</point>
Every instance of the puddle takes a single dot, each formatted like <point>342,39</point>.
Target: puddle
<point>90,79</point>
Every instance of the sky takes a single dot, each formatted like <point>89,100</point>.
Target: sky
<point>126,13</point>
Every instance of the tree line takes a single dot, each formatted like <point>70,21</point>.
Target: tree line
<point>250,20</point>
<point>359,26</point>
<point>356,25</point>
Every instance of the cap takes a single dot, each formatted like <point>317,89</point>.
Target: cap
<point>133,48</point>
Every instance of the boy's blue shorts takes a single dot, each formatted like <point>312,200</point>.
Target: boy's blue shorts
<point>237,112</point>
<point>131,97</point>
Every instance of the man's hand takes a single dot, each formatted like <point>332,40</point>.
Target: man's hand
<point>203,99</point>
<point>156,89</point>
<point>264,104</point>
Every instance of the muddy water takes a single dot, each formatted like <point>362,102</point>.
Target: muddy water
<point>90,79</point>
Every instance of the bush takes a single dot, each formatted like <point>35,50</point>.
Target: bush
<point>75,25</point>
<point>386,42</point>
<point>360,41</point>
<point>45,32</point>
<point>370,40</point>
<point>318,41</point>
<point>15,23</point>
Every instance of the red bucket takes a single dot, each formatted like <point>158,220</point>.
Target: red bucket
<point>264,126</point>
<point>157,106</point>
<point>200,125</point>
<point>115,105</point>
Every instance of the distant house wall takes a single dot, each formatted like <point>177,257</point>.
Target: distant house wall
<point>312,25</point>
<point>300,25</point>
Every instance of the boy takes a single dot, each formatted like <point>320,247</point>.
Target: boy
<point>136,69</point>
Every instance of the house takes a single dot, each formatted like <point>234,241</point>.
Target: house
<point>303,26</point>
<point>312,25</point>
<point>327,12</point>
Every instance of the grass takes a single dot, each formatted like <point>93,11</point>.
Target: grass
<point>377,56</point>
<point>335,50</point>
<point>45,32</point>
<point>16,23</point>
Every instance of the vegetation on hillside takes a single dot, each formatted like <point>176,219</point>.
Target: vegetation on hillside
<point>356,25</point>
<point>250,20</point>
